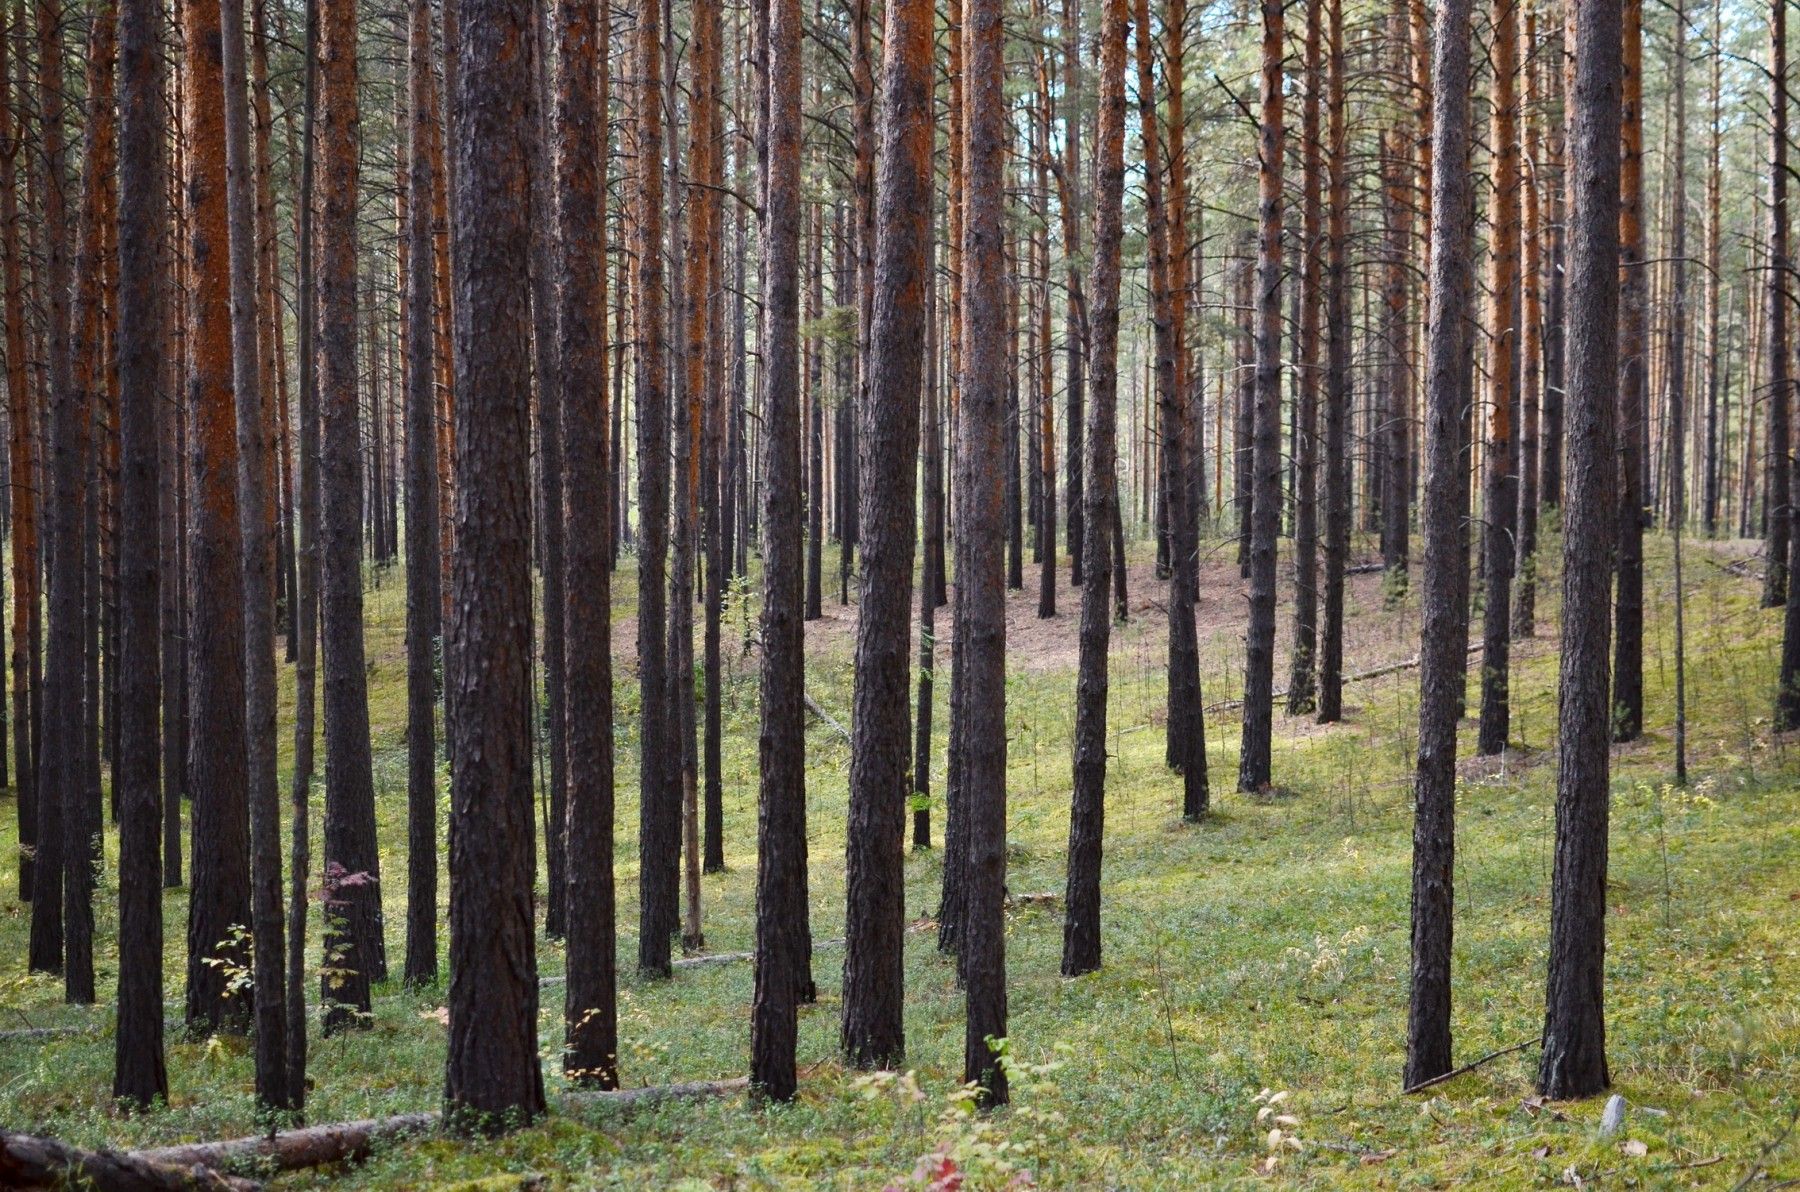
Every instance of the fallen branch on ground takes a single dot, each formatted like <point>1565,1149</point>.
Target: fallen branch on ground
<point>1373,673</point>
<point>32,1161</point>
<point>341,1142</point>
<point>1469,1067</point>
<point>812,705</point>
<point>708,960</point>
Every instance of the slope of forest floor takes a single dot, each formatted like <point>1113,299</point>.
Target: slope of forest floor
<point>1258,959</point>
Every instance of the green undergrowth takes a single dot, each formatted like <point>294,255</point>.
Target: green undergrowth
<point>1249,1023</point>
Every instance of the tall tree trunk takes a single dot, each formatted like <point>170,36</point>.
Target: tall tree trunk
<point>590,1002</point>
<point>1444,633</point>
<point>1301,690</point>
<point>1676,377</point>
<point>1573,1060</point>
<point>1081,926</point>
<point>216,764</point>
<point>980,618</point>
<point>1338,396</point>
<point>424,601</point>
<point>1531,341</point>
<point>256,523</point>
<point>873,1027</point>
<point>493,1076</point>
<point>306,588</point>
<point>1634,360</point>
<point>1500,495</point>
<point>140,1073</point>
<point>659,804</point>
<point>1774,458</point>
<point>27,565</point>
<point>1717,360</point>
<point>1265,463</point>
<point>781,944</point>
<point>1075,329</point>
<point>353,934</point>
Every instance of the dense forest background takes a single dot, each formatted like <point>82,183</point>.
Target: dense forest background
<point>997,593</point>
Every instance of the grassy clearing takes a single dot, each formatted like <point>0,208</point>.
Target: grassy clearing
<point>1262,951</point>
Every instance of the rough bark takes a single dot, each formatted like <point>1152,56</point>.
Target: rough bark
<point>353,936</point>
<point>1301,697</point>
<point>873,1027</point>
<point>492,1078</point>
<point>1573,1060</point>
<point>1081,901</point>
<point>1265,461</point>
<point>140,1074</point>
<point>1634,365</point>
<point>590,1005</point>
<point>1443,651</point>
<point>256,523</point>
<point>424,600</point>
<point>781,948</point>
<point>1338,396</point>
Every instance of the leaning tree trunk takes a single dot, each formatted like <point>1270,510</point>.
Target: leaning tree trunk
<point>1573,1060</point>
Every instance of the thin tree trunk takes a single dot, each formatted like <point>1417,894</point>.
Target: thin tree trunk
<point>1338,396</point>
<point>1301,690</point>
<point>1634,354</point>
<point>1081,926</point>
<point>1254,772</point>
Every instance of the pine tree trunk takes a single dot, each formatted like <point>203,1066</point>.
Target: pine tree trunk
<point>1573,1060</point>
<point>1444,632</point>
<point>873,1028</point>
<point>493,1078</point>
<point>140,1073</point>
<point>1634,359</point>
<point>1338,396</point>
<point>781,945</point>
<point>1081,924</point>
<point>590,1005</point>
<point>1301,690</point>
<point>1265,460</point>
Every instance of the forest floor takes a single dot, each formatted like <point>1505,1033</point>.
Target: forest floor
<point>1257,958</point>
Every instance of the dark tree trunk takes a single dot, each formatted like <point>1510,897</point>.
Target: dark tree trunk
<point>1776,350</point>
<point>1075,328</point>
<point>930,561</point>
<point>980,637</point>
<point>216,766</point>
<point>1302,692</point>
<point>306,596</point>
<point>1531,340</point>
<point>424,600</point>
<point>1634,367</point>
<point>1573,1060</point>
<point>1444,633</point>
<point>659,803</point>
<point>493,1078</point>
<point>1338,396</point>
<point>27,565</point>
<point>1081,926</point>
<point>781,941</point>
<point>873,1033</point>
<point>546,357</point>
<point>256,520</point>
<point>353,935</point>
<point>590,1006</point>
<point>140,1074</point>
<point>1265,463</point>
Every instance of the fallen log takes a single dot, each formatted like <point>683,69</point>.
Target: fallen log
<point>292,1150</point>
<point>707,960</point>
<point>33,1161</point>
<point>345,1142</point>
<point>1377,672</point>
<point>36,1033</point>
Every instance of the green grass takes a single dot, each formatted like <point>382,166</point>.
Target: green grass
<point>1263,950</point>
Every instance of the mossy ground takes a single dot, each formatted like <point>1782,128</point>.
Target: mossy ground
<point>1264,950</point>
